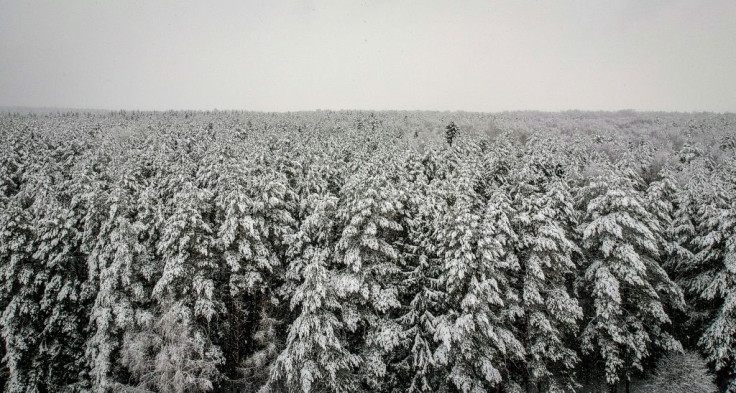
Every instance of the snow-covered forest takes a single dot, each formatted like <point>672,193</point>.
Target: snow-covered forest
<point>361,251</point>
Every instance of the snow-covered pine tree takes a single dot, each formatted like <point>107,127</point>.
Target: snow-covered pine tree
<point>44,323</point>
<point>370,212</point>
<point>17,266</point>
<point>682,232</point>
<point>451,131</point>
<point>244,249</point>
<point>411,367</point>
<point>630,291</point>
<point>544,222</point>
<point>20,325</point>
<point>317,355</point>
<point>257,217</point>
<point>712,282</point>
<point>661,201</point>
<point>672,206</point>
<point>694,183</point>
<point>475,329</point>
<point>172,349</point>
<point>120,264</point>
<point>45,320</point>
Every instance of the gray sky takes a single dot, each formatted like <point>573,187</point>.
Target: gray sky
<point>304,55</point>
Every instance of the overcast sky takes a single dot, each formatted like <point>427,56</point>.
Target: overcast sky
<point>303,55</point>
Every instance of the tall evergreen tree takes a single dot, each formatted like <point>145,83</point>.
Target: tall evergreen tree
<point>173,349</point>
<point>120,264</point>
<point>257,221</point>
<point>412,367</point>
<point>44,322</point>
<point>20,326</point>
<point>370,214</point>
<point>550,312</point>
<point>631,292</point>
<point>474,332</point>
<point>317,355</point>
<point>662,201</point>
<point>712,282</point>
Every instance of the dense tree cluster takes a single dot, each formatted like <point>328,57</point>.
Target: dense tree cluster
<point>356,251</point>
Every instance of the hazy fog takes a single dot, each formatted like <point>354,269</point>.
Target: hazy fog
<point>280,56</point>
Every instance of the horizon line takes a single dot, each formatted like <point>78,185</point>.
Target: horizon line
<point>5,109</point>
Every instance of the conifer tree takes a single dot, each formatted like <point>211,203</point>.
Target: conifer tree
<point>257,210</point>
<point>118,262</point>
<point>173,350</point>
<point>451,132</point>
<point>412,367</point>
<point>543,223</point>
<point>631,292</point>
<point>370,214</point>
<point>474,332</point>
<point>46,318</point>
<point>316,357</point>
<point>682,233</point>
<point>20,327</point>
<point>712,283</point>
<point>661,201</point>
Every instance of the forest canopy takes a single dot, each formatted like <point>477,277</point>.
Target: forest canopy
<point>360,251</point>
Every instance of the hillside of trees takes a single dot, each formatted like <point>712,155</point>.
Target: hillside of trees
<point>360,251</point>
